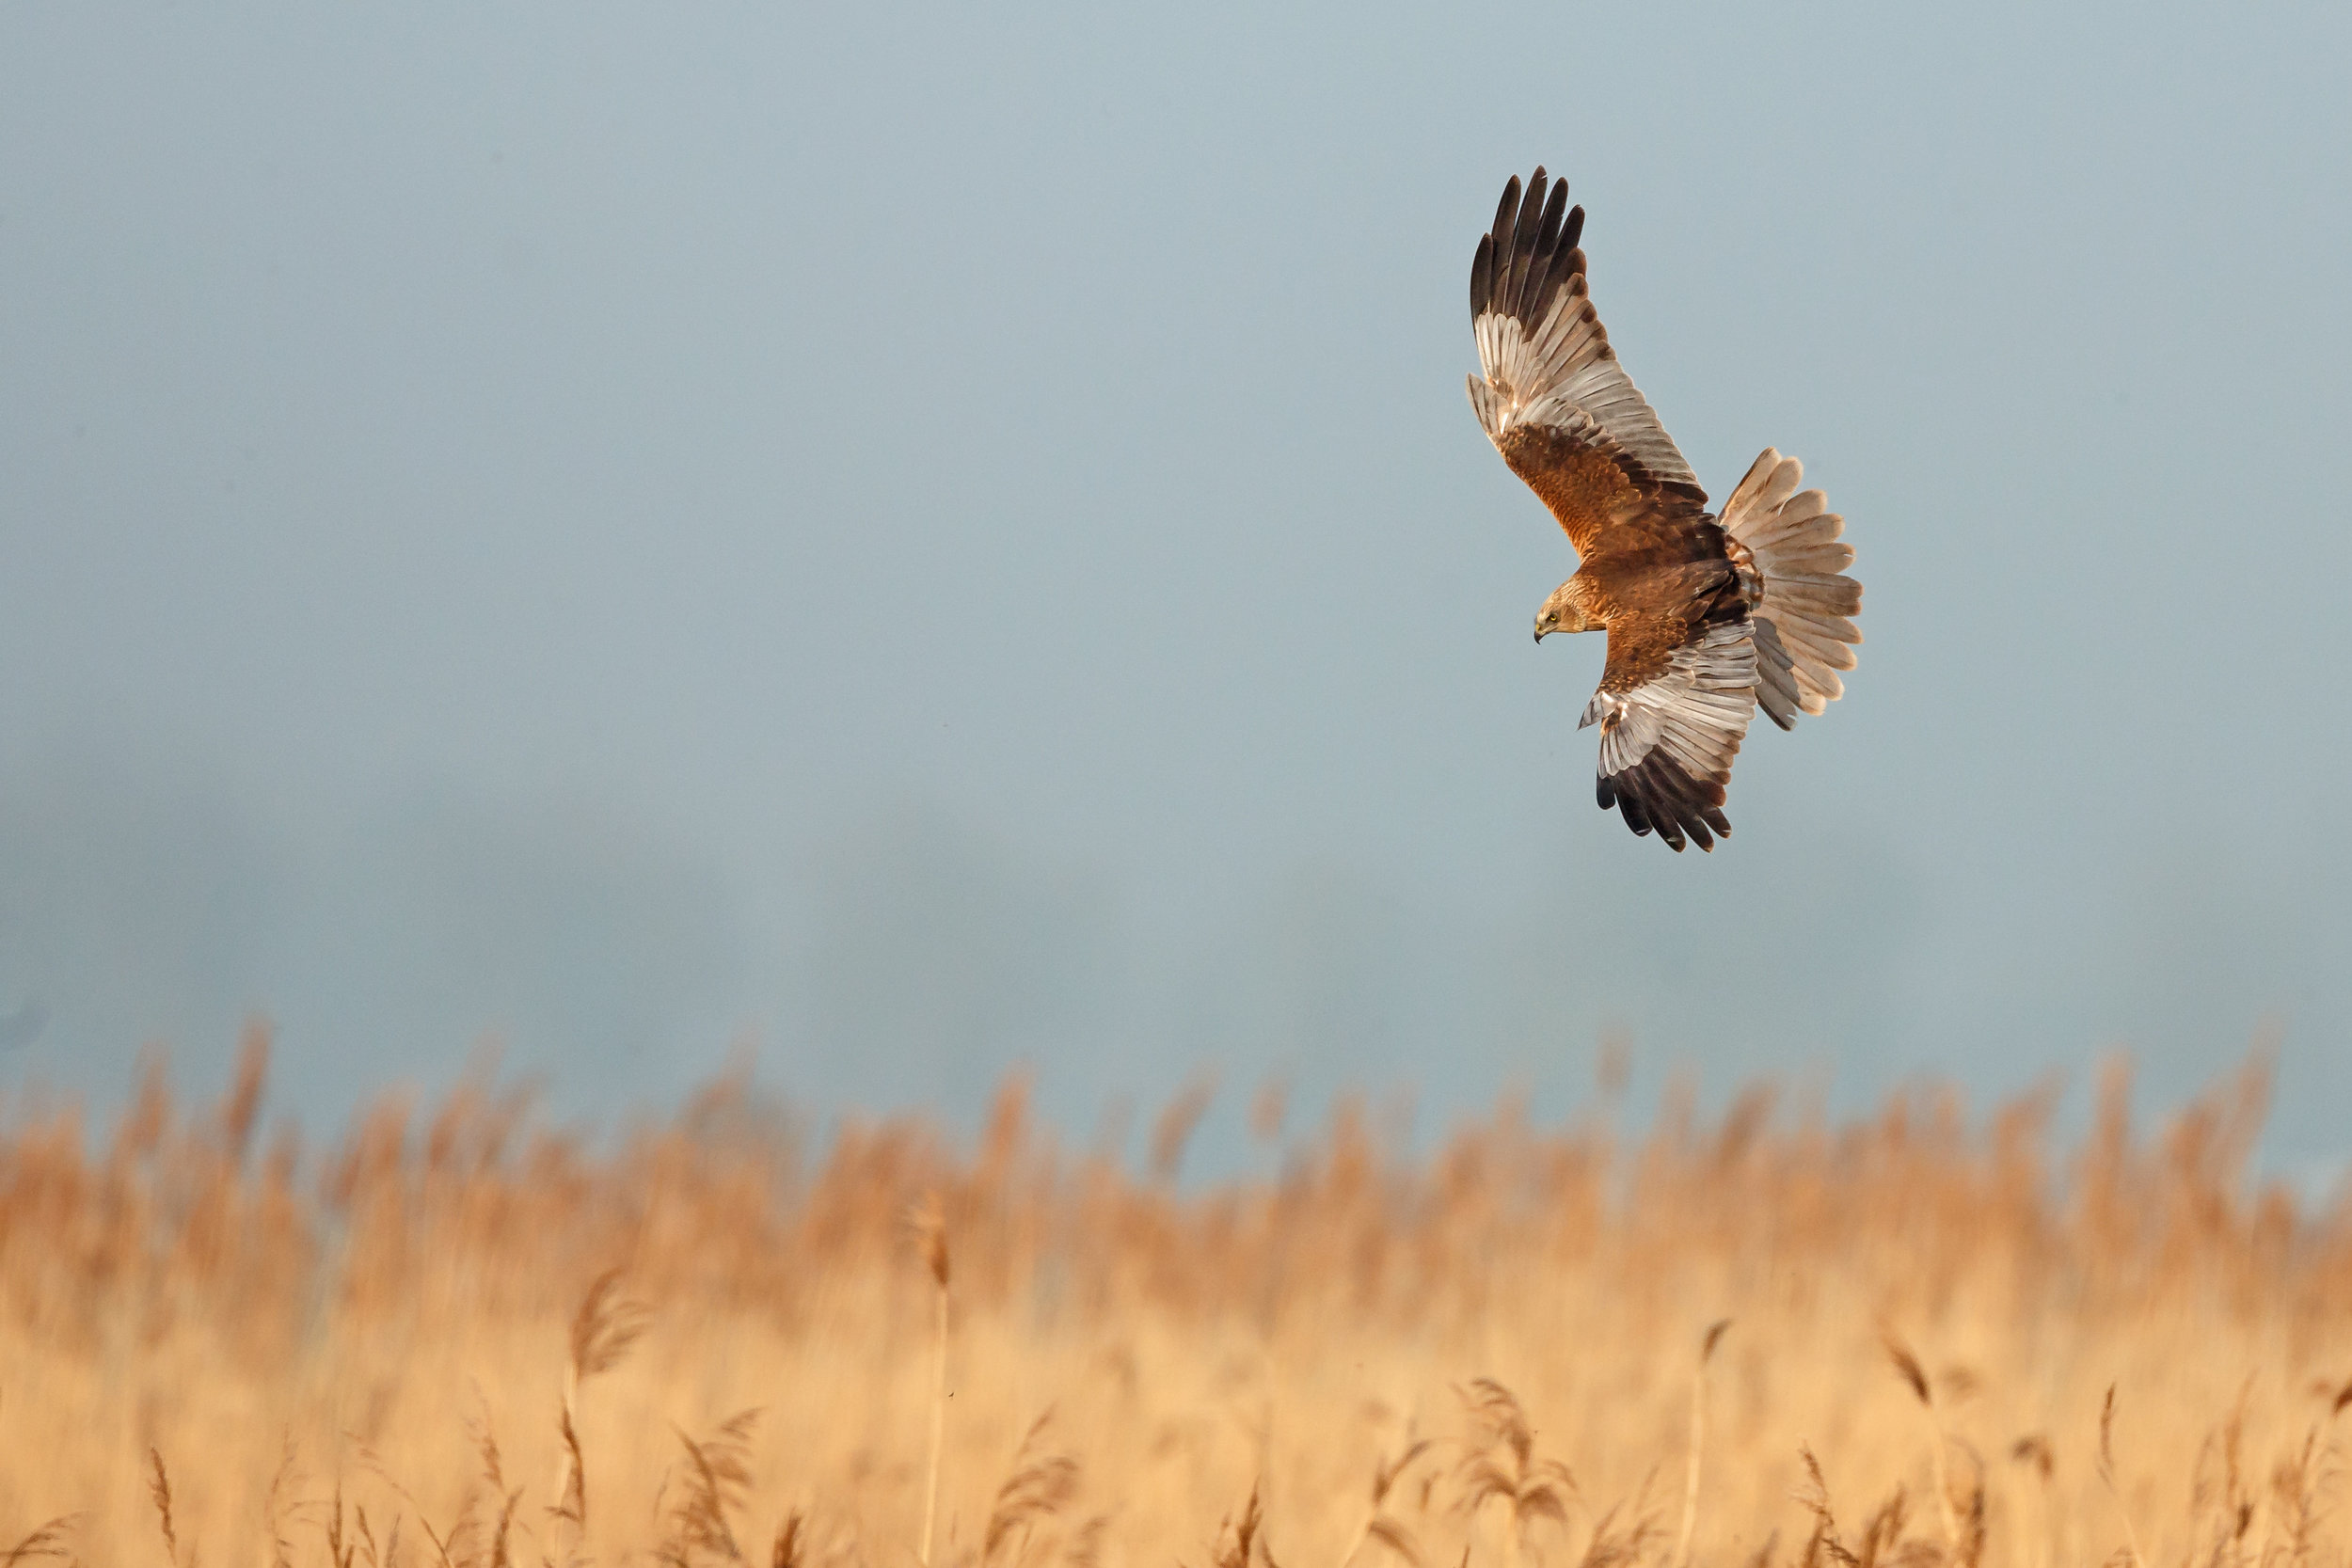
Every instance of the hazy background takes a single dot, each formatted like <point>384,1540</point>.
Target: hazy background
<point>926,538</point>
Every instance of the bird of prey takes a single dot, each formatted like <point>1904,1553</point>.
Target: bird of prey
<point>1708,614</point>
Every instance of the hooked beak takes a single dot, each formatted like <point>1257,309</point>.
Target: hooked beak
<point>1540,636</point>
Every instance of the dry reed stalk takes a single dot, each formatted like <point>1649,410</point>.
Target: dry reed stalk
<point>2107,1475</point>
<point>931,1231</point>
<point>503,1499</point>
<point>1915,1377</point>
<point>1529,1488</point>
<point>1882,1538</point>
<point>272,1510</point>
<point>502,1552</point>
<point>44,1540</point>
<point>341,1548</point>
<point>1086,1548</point>
<point>2033,1541</point>
<point>1613,1548</point>
<point>388,1556</point>
<point>242,1107</point>
<point>373,1466</point>
<point>1237,1541</point>
<point>2231,1508</point>
<point>1268,1108</point>
<point>441,1543</point>
<point>1975,1525</point>
<point>786,1553</point>
<point>1041,1486</point>
<point>159,1493</point>
<point>1378,1525</point>
<point>2301,1483</point>
<point>571,1496</point>
<point>717,1472</point>
<point>1698,1442</point>
<point>1172,1129</point>
<point>604,1328</point>
<point>1881,1545</point>
<point>1814,1499</point>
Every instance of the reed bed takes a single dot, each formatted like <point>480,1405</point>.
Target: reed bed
<point>460,1336</point>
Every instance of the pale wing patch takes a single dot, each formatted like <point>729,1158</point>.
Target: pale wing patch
<point>1805,618</point>
<point>1572,379</point>
<point>1666,745</point>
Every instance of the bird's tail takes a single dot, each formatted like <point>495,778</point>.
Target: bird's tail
<point>1805,619</point>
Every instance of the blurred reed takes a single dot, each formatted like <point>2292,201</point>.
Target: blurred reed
<point>460,1336</point>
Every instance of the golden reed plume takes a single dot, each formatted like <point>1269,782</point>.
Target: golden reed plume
<point>464,1338</point>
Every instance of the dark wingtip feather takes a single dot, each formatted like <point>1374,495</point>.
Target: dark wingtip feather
<point>1531,253</point>
<point>1523,252</point>
<point>1507,211</point>
<point>1631,808</point>
<point>1506,220</point>
<point>1657,795</point>
<point>1545,276</point>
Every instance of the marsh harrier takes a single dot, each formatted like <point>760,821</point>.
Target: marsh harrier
<point>1708,614</point>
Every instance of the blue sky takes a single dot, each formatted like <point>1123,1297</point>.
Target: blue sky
<point>924,539</point>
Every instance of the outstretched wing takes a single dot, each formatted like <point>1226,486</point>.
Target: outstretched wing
<point>1551,393</point>
<point>1673,706</point>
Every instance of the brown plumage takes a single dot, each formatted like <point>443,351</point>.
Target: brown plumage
<point>1707,615</point>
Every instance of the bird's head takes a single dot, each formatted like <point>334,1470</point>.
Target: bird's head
<point>1561,612</point>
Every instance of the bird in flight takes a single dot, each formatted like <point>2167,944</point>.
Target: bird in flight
<point>1708,614</point>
